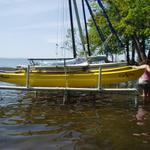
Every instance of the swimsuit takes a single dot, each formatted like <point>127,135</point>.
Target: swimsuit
<point>144,80</point>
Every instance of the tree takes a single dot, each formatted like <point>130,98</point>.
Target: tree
<point>68,42</point>
<point>131,20</point>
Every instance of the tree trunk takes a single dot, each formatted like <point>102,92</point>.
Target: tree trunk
<point>127,50</point>
<point>148,54</point>
<point>143,48</point>
<point>139,48</point>
<point>133,53</point>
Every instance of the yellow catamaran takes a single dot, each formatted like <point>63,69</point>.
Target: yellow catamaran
<point>79,79</point>
<point>75,75</point>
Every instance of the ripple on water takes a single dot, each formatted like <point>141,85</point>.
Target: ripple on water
<point>29,122</point>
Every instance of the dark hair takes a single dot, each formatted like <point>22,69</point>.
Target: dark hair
<point>146,61</point>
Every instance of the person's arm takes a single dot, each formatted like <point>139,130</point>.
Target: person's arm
<point>140,67</point>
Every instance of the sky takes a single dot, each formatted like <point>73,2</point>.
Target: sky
<point>32,28</point>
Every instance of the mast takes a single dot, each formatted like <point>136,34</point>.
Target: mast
<point>86,30</point>
<point>72,29</point>
<point>79,26</point>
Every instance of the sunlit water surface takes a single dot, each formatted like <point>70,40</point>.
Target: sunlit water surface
<point>89,122</point>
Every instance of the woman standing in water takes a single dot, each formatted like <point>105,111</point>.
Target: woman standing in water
<point>144,80</point>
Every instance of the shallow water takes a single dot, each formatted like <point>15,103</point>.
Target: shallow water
<point>87,122</point>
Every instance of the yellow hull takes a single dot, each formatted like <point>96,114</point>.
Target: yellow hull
<point>80,79</point>
<point>112,69</point>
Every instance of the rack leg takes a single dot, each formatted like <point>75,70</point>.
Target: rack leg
<point>1,98</point>
<point>65,97</point>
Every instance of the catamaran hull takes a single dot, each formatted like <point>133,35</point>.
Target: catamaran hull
<point>82,79</point>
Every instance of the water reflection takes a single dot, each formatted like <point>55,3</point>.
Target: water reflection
<point>140,116</point>
<point>142,121</point>
<point>89,122</point>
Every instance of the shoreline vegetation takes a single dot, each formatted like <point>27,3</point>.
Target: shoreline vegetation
<point>7,68</point>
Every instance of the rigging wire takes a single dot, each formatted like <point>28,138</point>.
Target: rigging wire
<point>58,27</point>
<point>65,27</point>
<point>109,22</point>
<point>100,33</point>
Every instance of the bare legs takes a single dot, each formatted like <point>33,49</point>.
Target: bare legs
<point>146,92</point>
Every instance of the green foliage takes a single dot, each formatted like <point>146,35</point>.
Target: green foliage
<point>129,18</point>
<point>136,19</point>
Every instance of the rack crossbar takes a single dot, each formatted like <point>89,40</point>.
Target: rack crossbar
<point>67,89</point>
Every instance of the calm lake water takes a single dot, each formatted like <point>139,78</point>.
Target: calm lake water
<point>30,120</point>
<point>12,62</point>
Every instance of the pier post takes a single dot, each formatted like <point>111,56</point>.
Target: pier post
<point>28,77</point>
<point>65,96</point>
<point>99,86</point>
